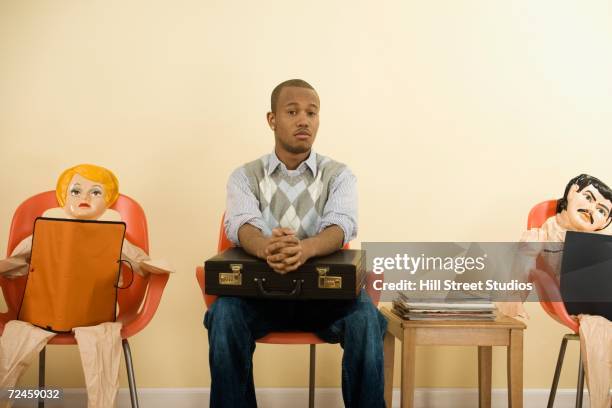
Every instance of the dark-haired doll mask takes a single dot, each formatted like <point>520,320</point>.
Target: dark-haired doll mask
<point>587,210</point>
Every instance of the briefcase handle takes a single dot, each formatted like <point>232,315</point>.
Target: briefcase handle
<point>297,289</point>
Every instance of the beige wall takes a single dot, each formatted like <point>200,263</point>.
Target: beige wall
<point>456,116</point>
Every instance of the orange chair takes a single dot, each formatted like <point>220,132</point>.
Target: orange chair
<point>281,337</point>
<point>549,294</point>
<point>145,291</point>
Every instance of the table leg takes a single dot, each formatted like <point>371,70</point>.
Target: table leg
<point>389,354</point>
<point>408,368</point>
<point>485,354</point>
<point>515,369</point>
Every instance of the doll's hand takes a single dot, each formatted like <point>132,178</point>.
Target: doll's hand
<point>531,243</point>
<point>534,235</point>
<point>156,266</point>
<point>512,309</point>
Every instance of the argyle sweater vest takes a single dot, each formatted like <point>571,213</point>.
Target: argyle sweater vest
<point>297,201</point>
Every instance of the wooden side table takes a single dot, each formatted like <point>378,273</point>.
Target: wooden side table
<point>504,331</point>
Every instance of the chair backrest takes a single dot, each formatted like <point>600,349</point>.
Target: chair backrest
<point>129,299</point>
<point>546,285</point>
<point>223,243</point>
<point>540,213</point>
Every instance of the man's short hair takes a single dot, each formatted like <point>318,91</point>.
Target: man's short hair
<point>298,83</point>
<point>582,181</point>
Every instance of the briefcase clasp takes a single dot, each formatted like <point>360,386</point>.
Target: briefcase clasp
<point>328,282</point>
<point>233,278</point>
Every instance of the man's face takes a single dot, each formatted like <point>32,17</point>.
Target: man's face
<point>85,199</point>
<point>587,210</point>
<point>296,120</point>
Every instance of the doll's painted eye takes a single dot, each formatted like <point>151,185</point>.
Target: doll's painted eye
<point>75,191</point>
<point>588,197</point>
<point>96,192</point>
<point>603,212</point>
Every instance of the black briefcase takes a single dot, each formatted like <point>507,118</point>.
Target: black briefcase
<point>233,272</point>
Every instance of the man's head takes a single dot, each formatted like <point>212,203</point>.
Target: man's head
<point>588,203</point>
<point>86,191</point>
<point>294,116</point>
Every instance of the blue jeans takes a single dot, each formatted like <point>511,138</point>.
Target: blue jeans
<point>235,323</point>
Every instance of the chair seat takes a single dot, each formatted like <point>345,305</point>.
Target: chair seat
<point>65,338</point>
<point>291,338</point>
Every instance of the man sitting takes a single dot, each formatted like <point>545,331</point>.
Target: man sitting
<point>285,208</point>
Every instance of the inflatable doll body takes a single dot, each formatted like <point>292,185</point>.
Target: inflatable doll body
<point>84,192</point>
<point>584,207</point>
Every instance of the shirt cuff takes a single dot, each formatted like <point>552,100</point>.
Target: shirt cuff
<point>232,230</point>
<point>347,227</point>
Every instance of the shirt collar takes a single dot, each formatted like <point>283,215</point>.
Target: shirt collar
<point>310,162</point>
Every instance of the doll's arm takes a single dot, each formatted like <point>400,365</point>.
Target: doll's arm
<point>141,262</point>
<point>530,246</point>
<point>17,264</point>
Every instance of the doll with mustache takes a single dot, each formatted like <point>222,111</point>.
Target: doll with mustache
<point>584,207</point>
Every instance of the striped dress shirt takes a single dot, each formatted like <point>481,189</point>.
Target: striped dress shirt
<point>244,207</point>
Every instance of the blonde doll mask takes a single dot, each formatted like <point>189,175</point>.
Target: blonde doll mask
<point>86,191</point>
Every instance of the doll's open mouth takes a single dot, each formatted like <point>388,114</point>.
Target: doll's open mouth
<point>586,215</point>
<point>84,205</point>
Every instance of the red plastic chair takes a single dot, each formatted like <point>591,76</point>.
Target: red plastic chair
<point>549,294</point>
<point>282,337</point>
<point>137,304</point>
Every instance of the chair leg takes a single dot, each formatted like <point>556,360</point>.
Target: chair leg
<point>41,374</point>
<point>553,388</point>
<point>311,380</point>
<point>580,386</point>
<point>130,372</point>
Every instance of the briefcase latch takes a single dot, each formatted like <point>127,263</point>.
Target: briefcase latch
<point>233,278</point>
<point>328,282</point>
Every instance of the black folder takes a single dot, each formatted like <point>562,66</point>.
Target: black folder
<point>586,274</point>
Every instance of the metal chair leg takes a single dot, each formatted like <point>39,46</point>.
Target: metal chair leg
<point>41,374</point>
<point>580,385</point>
<point>553,388</point>
<point>130,372</point>
<point>311,380</point>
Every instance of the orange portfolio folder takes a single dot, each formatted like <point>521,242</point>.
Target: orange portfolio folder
<point>74,272</point>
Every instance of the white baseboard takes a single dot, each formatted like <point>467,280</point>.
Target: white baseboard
<point>324,398</point>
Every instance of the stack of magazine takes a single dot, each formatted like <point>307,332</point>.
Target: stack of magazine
<point>449,309</point>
